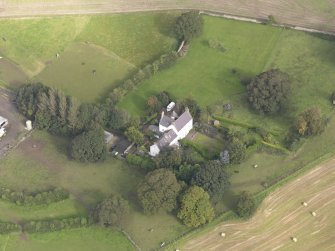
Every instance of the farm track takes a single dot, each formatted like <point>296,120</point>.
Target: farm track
<point>294,13</point>
<point>282,216</point>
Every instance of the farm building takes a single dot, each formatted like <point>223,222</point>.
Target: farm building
<point>174,128</point>
<point>3,122</point>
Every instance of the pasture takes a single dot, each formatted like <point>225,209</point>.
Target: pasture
<point>95,52</point>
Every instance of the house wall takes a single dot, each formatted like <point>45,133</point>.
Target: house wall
<point>185,130</point>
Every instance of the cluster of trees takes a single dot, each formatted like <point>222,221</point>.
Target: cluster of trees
<point>163,62</point>
<point>269,91</point>
<point>188,26</point>
<point>37,198</point>
<point>160,190</point>
<point>158,102</point>
<point>143,162</point>
<point>55,224</point>
<point>112,211</point>
<point>246,205</point>
<point>9,227</point>
<point>310,122</point>
<point>59,114</point>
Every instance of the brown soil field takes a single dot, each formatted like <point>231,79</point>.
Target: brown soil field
<point>281,217</point>
<point>316,14</point>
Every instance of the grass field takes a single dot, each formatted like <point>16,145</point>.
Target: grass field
<point>86,239</point>
<point>112,45</point>
<point>250,49</point>
<point>46,164</point>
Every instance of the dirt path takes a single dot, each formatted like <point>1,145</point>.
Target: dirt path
<point>315,14</point>
<point>281,217</point>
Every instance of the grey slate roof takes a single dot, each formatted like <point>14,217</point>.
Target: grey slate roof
<point>167,138</point>
<point>183,120</point>
<point>165,121</point>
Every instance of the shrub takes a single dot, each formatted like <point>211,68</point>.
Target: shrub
<point>9,227</point>
<point>89,146</point>
<point>245,205</point>
<point>134,135</point>
<point>310,122</point>
<point>237,151</point>
<point>37,198</point>
<point>140,161</point>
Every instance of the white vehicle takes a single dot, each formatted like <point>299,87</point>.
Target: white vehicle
<point>3,122</point>
<point>2,132</point>
<point>170,106</point>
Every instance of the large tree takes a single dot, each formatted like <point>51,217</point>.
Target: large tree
<point>310,122</point>
<point>158,190</point>
<point>213,178</point>
<point>268,92</point>
<point>237,150</point>
<point>245,204</point>
<point>188,25</point>
<point>134,135</point>
<point>195,207</point>
<point>89,146</point>
<point>112,211</point>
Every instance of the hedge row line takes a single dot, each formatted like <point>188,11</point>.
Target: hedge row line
<point>164,61</point>
<point>42,226</point>
<point>38,198</point>
<point>9,227</point>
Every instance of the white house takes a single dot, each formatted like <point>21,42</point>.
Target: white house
<point>174,128</point>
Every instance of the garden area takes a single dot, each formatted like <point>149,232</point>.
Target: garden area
<point>62,184</point>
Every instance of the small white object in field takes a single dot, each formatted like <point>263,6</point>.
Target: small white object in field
<point>294,239</point>
<point>162,244</point>
<point>304,204</point>
<point>255,166</point>
<point>223,234</point>
<point>314,214</point>
<point>177,250</point>
<point>1,57</point>
<point>29,126</point>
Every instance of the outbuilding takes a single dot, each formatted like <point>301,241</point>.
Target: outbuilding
<point>3,122</point>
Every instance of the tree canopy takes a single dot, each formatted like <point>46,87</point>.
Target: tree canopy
<point>245,204</point>
<point>89,146</point>
<point>268,91</point>
<point>310,122</point>
<point>189,25</point>
<point>195,207</point>
<point>112,211</point>
<point>213,178</point>
<point>158,190</point>
<point>237,150</point>
<point>134,135</point>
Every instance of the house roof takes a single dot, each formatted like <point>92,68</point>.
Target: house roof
<point>183,120</point>
<point>167,138</point>
<point>165,121</point>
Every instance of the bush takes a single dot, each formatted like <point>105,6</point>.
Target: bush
<point>245,205</point>
<point>269,91</point>
<point>9,227</point>
<point>134,135</point>
<point>38,198</point>
<point>310,122</point>
<point>140,161</point>
<point>89,146</point>
<point>52,225</point>
<point>237,151</point>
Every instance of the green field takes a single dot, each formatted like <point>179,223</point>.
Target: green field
<point>112,45</point>
<point>210,76</point>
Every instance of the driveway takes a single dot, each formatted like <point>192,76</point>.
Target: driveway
<point>15,126</point>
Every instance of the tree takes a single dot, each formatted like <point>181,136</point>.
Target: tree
<point>213,178</point>
<point>310,122</point>
<point>194,108</point>
<point>188,25</point>
<point>268,92</point>
<point>134,135</point>
<point>170,158</point>
<point>117,118</point>
<point>237,151</point>
<point>245,205</point>
<point>158,190</point>
<point>185,172</point>
<point>164,98</point>
<point>89,146</point>
<point>111,212</point>
<point>195,207</point>
<point>153,104</point>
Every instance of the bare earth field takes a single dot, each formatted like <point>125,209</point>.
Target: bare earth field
<point>317,14</point>
<point>281,217</point>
